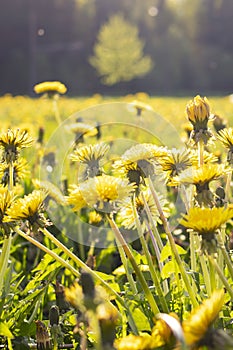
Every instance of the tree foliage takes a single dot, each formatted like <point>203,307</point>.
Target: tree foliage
<point>190,43</point>
<point>118,53</point>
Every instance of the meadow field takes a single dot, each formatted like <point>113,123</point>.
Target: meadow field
<point>116,228</point>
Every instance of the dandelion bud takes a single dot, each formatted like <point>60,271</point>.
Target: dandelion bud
<point>87,284</point>
<point>54,315</point>
<point>198,112</point>
<point>42,336</point>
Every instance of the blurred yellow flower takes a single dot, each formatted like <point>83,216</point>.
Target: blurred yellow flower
<point>140,106</point>
<point>82,129</point>
<point>197,326</point>
<point>94,218</point>
<point>144,341</point>
<point>50,87</point>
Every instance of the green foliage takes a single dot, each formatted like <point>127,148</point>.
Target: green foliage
<point>118,53</point>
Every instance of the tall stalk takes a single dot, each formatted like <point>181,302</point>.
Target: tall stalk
<point>121,240</point>
<point>150,262</point>
<point>177,257</point>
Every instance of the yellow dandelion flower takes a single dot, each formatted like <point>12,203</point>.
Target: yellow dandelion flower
<point>74,295</point>
<point>50,87</point>
<point>144,341</point>
<point>6,200</point>
<point>126,213</point>
<point>197,326</point>
<point>91,156</point>
<point>77,196</point>
<point>20,171</point>
<point>175,161</point>
<point>94,218</point>
<point>140,106</point>
<point>101,192</point>
<point>111,189</point>
<point>208,157</point>
<point>167,333</point>
<point>200,177</point>
<point>90,153</point>
<point>12,142</point>
<point>143,151</point>
<point>139,161</point>
<point>29,208</point>
<point>206,222</point>
<point>225,136</point>
<point>82,129</point>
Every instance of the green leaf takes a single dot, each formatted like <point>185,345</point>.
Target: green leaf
<point>167,252</point>
<point>4,330</point>
<point>141,320</point>
<point>168,269</point>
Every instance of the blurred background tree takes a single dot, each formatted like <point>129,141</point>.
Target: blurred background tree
<point>190,43</point>
<point>118,52</point>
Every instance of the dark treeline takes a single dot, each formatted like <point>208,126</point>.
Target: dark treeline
<point>190,42</point>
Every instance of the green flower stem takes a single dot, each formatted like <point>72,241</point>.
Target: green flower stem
<point>11,176</point>
<point>80,240</point>
<point>127,271</point>
<point>152,223</point>
<point>177,257</point>
<point>228,187</point>
<point>212,276</point>
<point>192,251</point>
<point>193,257</point>
<point>4,258</point>
<point>206,275</point>
<point>94,322</point>
<point>48,251</point>
<point>56,111</point>
<point>160,263</point>
<point>200,145</point>
<point>226,257</point>
<point>138,272</point>
<point>156,240</point>
<point>221,275</point>
<point>220,253</point>
<point>150,262</point>
<point>95,276</point>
